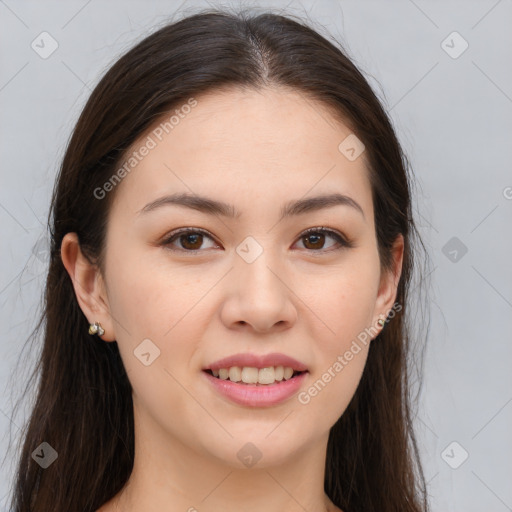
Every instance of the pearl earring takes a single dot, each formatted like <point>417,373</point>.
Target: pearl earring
<point>96,328</point>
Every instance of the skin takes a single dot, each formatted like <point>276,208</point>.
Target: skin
<point>257,151</point>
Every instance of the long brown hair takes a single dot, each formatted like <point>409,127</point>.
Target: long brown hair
<point>83,404</point>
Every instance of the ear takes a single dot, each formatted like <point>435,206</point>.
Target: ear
<point>88,284</point>
<point>389,281</point>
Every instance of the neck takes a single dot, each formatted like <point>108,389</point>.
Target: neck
<point>169,475</point>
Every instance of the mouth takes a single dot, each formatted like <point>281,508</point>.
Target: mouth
<point>256,387</point>
<point>250,376</point>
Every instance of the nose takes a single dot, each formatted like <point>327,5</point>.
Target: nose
<point>260,296</point>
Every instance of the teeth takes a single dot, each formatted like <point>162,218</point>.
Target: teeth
<point>235,374</point>
<point>251,375</point>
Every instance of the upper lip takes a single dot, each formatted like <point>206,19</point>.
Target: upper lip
<point>256,361</point>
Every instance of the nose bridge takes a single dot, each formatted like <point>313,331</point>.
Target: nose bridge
<point>257,264</point>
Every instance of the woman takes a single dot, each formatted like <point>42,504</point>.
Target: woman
<point>225,313</point>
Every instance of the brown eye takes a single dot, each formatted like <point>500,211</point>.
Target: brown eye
<point>315,239</point>
<point>190,240</point>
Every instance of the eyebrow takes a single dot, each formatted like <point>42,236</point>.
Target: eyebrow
<point>214,207</point>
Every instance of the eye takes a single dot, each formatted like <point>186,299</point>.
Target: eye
<point>315,237</point>
<point>191,239</point>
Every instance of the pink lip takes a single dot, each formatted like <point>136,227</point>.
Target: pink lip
<point>256,361</point>
<point>257,395</point>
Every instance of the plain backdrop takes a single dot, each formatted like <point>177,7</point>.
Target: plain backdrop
<point>443,71</point>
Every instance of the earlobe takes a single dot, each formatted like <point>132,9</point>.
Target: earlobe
<point>88,285</point>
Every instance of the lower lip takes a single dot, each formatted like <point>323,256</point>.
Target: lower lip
<point>257,396</point>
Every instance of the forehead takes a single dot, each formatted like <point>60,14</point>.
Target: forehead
<point>246,144</point>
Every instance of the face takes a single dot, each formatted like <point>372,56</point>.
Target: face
<point>184,287</point>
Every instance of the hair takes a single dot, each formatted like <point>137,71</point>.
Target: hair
<point>83,404</point>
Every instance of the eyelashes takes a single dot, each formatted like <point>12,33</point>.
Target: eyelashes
<point>195,236</point>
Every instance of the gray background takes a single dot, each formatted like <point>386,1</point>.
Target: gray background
<point>454,119</point>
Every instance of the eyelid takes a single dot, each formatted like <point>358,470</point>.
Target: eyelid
<point>343,241</point>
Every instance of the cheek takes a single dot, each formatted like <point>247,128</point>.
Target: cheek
<point>151,308</point>
<point>341,349</point>
<point>149,296</point>
<point>331,389</point>
<point>158,344</point>
<point>342,299</point>
<point>342,308</point>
